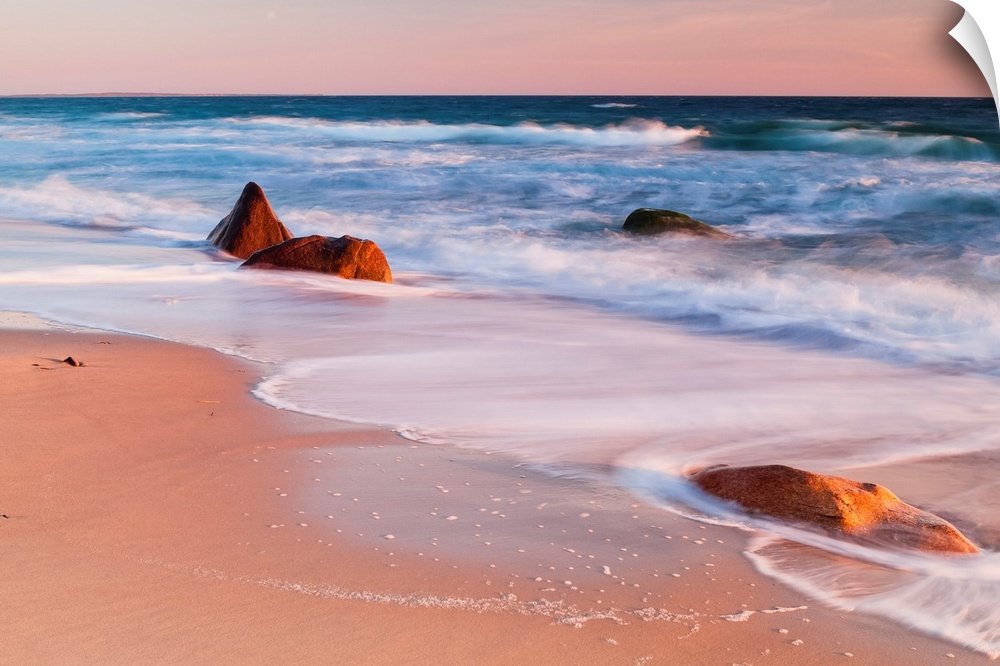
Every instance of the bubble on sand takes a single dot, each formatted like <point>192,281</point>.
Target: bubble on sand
<point>742,616</point>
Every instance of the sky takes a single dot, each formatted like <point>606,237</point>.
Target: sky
<point>612,47</point>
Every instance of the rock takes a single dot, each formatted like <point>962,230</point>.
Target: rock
<point>250,226</point>
<point>69,360</point>
<point>346,256</point>
<point>651,221</point>
<point>865,511</point>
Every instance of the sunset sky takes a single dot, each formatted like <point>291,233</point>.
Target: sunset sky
<point>665,47</point>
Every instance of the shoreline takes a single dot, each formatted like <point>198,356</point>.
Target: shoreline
<point>142,488</point>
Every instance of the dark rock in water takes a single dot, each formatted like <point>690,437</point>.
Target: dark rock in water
<point>651,221</point>
<point>250,226</point>
<point>347,257</point>
<point>865,511</point>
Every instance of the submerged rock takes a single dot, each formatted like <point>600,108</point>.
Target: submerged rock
<point>347,257</point>
<point>250,226</point>
<point>651,221</point>
<point>864,510</point>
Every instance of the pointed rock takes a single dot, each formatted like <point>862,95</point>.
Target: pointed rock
<point>250,226</point>
<point>347,257</point>
<point>651,221</point>
<point>866,511</point>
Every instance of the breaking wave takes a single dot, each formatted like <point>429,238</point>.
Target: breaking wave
<point>889,140</point>
<point>630,133</point>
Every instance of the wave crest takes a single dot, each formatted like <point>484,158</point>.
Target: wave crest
<point>633,132</point>
<point>849,139</point>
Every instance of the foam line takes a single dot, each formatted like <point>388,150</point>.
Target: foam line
<point>559,611</point>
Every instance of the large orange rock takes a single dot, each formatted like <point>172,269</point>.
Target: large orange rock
<point>347,257</point>
<point>863,510</point>
<point>250,226</point>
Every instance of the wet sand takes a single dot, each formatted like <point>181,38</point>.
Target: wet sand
<point>157,513</point>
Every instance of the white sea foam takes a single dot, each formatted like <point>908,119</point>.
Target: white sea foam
<point>559,611</point>
<point>859,183</point>
<point>523,375</point>
<point>57,199</point>
<point>632,133</point>
<point>118,116</point>
<point>96,276</point>
<point>955,599</point>
<point>928,317</point>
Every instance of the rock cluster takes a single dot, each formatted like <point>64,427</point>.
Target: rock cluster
<point>866,511</point>
<point>253,232</point>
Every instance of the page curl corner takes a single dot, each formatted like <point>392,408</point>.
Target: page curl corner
<point>979,33</point>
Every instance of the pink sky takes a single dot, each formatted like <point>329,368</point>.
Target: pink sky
<point>660,47</point>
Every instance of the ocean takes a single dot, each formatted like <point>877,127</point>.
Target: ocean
<point>852,321</point>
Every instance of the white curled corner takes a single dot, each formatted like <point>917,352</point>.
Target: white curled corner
<point>979,33</point>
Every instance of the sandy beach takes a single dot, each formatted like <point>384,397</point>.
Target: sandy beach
<point>154,512</point>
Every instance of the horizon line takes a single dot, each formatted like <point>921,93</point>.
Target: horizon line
<point>236,94</point>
